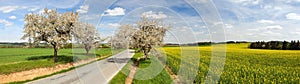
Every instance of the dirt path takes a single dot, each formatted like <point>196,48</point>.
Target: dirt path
<point>172,75</point>
<point>33,73</point>
<point>133,69</point>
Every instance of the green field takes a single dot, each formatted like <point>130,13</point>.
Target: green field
<point>244,65</point>
<point>21,59</point>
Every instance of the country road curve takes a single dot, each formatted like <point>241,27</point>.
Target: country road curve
<point>99,72</point>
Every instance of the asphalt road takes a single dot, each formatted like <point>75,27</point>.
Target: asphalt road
<point>99,72</point>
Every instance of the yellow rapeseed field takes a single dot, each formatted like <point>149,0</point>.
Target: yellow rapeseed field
<point>243,65</point>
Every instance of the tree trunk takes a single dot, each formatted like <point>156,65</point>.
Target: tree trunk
<point>55,54</point>
<point>87,53</point>
<point>146,51</point>
<point>145,54</point>
<point>87,49</point>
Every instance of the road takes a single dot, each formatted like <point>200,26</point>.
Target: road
<point>99,72</point>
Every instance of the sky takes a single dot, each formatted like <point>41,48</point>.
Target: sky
<point>191,20</point>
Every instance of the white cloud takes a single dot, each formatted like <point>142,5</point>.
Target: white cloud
<point>268,33</point>
<point>256,2</point>
<point>182,29</point>
<point>34,9</point>
<point>7,9</point>
<point>228,26</point>
<point>199,32</point>
<point>218,23</point>
<point>269,28</point>
<point>89,17</point>
<point>23,7</point>
<point>292,16</point>
<point>266,21</point>
<point>195,25</point>
<point>253,29</point>
<point>63,4</point>
<point>12,17</point>
<point>247,2</point>
<point>42,11</point>
<point>272,7</point>
<point>6,23</point>
<point>114,12</point>
<point>114,25</point>
<point>278,8</point>
<point>291,1</point>
<point>295,33</point>
<point>83,9</point>
<point>273,27</point>
<point>156,15</point>
<point>268,6</point>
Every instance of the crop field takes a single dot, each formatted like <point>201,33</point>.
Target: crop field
<point>21,59</point>
<point>244,65</point>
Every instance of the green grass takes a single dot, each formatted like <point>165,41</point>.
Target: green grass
<point>122,75</point>
<point>244,65</point>
<point>162,77</point>
<point>21,59</point>
<point>144,72</point>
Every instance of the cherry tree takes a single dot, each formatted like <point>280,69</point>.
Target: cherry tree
<point>87,35</point>
<point>51,27</point>
<point>122,38</point>
<point>149,33</point>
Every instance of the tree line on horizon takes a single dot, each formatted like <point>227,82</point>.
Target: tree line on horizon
<point>279,45</point>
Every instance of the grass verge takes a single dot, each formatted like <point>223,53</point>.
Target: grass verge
<point>122,75</point>
<point>23,59</point>
<point>150,74</point>
<point>161,77</point>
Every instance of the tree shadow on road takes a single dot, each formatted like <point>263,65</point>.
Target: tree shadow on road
<point>84,54</point>
<point>118,60</point>
<point>60,58</point>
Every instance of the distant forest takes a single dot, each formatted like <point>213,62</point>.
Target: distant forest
<point>203,43</point>
<point>26,45</point>
<point>279,45</point>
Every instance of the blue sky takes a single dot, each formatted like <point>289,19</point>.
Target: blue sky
<point>247,20</point>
